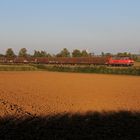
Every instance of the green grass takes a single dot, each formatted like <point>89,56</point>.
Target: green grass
<point>17,68</point>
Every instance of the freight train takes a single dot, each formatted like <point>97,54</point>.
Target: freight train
<point>96,60</point>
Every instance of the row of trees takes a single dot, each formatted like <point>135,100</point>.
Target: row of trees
<point>64,53</point>
<point>133,56</point>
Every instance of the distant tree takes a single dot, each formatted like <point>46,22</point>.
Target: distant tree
<point>64,53</point>
<point>108,54</point>
<point>48,55</point>
<point>23,52</point>
<point>135,57</point>
<point>10,53</point>
<point>41,54</point>
<point>124,54</point>
<point>102,54</point>
<point>36,53</point>
<point>76,53</point>
<point>84,53</point>
<point>1,55</point>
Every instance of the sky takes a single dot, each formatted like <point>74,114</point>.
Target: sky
<point>51,25</point>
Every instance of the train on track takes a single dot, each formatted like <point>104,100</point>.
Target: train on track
<point>94,60</point>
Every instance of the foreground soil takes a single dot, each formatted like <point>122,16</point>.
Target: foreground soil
<point>43,93</point>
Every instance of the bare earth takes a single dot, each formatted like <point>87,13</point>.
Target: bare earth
<point>43,93</point>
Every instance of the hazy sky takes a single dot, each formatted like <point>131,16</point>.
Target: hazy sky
<point>96,25</point>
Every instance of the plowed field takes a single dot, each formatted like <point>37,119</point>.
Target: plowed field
<point>42,93</point>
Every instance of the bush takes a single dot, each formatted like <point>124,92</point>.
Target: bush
<point>78,69</point>
<point>95,69</point>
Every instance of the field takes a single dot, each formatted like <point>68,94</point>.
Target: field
<point>43,93</point>
<point>52,105</point>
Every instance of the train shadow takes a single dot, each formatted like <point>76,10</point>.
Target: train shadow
<point>122,125</point>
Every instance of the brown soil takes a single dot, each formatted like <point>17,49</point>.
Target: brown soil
<point>42,93</point>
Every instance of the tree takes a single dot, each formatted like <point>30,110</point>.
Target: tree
<point>10,52</point>
<point>48,55</point>
<point>36,53</point>
<point>23,52</point>
<point>1,55</point>
<point>108,54</point>
<point>41,54</point>
<point>64,53</point>
<point>124,54</point>
<point>102,54</point>
<point>76,53</point>
<point>84,53</point>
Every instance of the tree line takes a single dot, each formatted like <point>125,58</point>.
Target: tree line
<point>63,53</point>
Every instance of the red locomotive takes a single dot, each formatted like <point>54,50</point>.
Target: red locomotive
<point>120,61</point>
